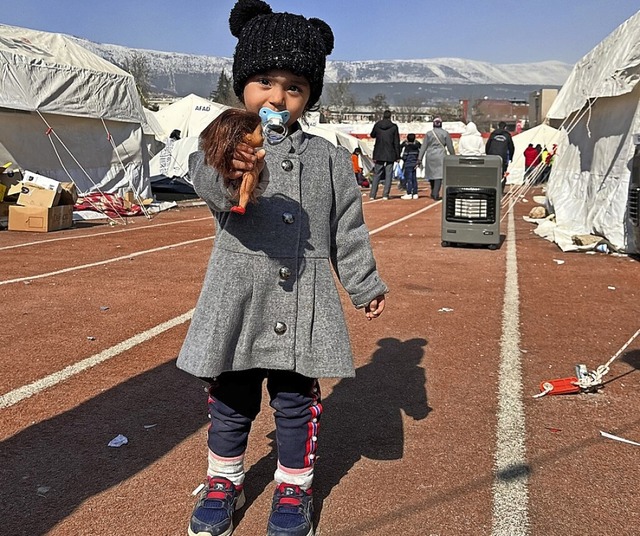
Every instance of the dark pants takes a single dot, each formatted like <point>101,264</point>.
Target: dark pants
<point>234,403</point>
<point>436,184</point>
<point>381,170</point>
<point>411,182</point>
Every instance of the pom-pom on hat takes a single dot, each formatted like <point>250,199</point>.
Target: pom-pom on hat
<point>268,40</point>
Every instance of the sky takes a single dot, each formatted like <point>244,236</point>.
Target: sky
<point>507,31</point>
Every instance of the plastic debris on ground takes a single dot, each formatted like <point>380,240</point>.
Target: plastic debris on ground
<point>118,441</point>
<point>618,438</point>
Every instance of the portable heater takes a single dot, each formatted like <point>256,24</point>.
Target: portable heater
<point>471,201</point>
<point>633,201</point>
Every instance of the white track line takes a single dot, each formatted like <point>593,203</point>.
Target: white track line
<point>99,263</point>
<point>137,254</point>
<point>510,491</point>
<point>75,236</point>
<point>392,223</point>
<point>15,396</point>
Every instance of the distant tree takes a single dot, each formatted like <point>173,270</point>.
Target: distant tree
<point>447,111</point>
<point>480,117</point>
<point>410,109</point>
<point>224,94</point>
<point>137,65</point>
<point>378,104</point>
<point>340,99</point>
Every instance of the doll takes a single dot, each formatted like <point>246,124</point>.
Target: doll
<point>219,140</point>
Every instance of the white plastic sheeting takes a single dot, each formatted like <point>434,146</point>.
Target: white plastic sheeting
<point>47,80</point>
<point>190,115</point>
<point>543,135</point>
<point>599,108</point>
<point>50,73</point>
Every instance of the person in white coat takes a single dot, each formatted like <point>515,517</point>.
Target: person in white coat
<point>471,142</point>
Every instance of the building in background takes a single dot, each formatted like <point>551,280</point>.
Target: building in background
<point>539,103</point>
<point>487,113</point>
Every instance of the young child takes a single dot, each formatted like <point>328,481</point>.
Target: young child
<point>269,308</point>
<point>410,149</point>
<point>357,167</point>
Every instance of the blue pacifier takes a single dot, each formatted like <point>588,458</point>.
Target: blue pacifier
<point>274,125</point>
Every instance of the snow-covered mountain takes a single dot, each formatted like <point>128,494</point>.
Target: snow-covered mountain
<point>176,73</point>
<point>449,71</point>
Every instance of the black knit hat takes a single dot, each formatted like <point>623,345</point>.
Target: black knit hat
<point>268,40</point>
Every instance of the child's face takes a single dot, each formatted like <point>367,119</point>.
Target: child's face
<point>278,91</point>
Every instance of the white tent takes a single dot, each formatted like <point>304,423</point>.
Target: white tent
<point>599,108</point>
<point>335,135</point>
<point>190,115</point>
<point>542,134</point>
<point>68,114</point>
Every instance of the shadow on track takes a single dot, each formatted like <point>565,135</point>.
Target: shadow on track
<point>52,467</point>
<point>362,418</point>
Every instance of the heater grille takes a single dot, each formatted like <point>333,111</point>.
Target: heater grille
<point>471,205</point>
<point>634,205</point>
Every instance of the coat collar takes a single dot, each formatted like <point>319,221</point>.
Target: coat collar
<point>295,143</point>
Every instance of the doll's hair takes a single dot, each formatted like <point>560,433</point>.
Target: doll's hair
<point>218,141</point>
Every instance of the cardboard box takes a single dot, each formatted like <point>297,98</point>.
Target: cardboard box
<point>14,190</point>
<point>128,199</point>
<point>29,177</point>
<point>69,194</point>
<point>40,219</point>
<point>32,195</point>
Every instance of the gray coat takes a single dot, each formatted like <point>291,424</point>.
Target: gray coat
<point>433,147</point>
<point>269,299</point>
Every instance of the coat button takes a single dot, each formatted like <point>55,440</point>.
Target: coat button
<point>287,217</point>
<point>287,165</point>
<point>285,273</point>
<point>280,328</point>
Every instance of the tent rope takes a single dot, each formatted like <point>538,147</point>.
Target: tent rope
<point>593,379</point>
<point>137,196</point>
<point>512,197</point>
<point>50,130</point>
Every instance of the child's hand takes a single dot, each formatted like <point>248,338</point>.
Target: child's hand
<point>375,307</point>
<point>246,158</point>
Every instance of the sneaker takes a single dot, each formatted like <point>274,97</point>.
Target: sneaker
<point>407,196</point>
<point>291,512</point>
<point>415,196</point>
<point>385,198</point>
<point>213,513</point>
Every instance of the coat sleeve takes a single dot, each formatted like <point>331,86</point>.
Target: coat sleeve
<point>351,252</point>
<point>209,184</point>
<point>450,145</point>
<point>487,147</point>
<point>423,149</point>
<point>396,142</point>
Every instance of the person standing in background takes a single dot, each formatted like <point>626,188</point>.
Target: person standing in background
<point>500,143</point>
<point>471,142</point>
<point>437,143</point>
<point>357,168</point>
<point>530,157</point>
<point>386,151</point>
